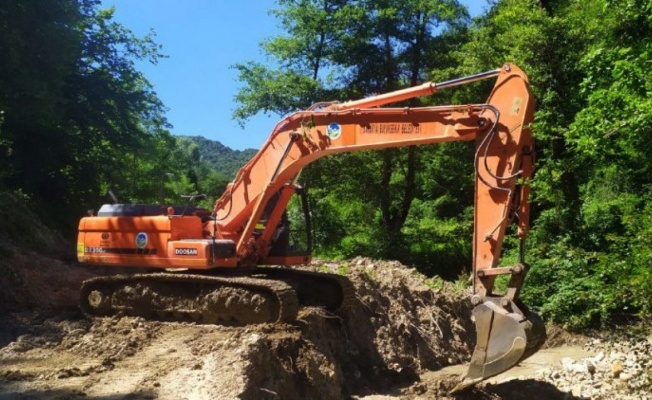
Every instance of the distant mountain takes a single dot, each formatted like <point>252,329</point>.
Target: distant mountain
<point>220,157</point>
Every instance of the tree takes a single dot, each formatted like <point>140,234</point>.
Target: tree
<point>33,72</point>
<point>608,137</point>
<point>77,113</point>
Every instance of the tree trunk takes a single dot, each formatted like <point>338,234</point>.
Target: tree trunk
<point>394,217</point>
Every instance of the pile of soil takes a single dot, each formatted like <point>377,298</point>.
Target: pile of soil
<point>37,269</point>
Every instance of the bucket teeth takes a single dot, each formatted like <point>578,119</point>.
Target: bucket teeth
<point>503,340</point>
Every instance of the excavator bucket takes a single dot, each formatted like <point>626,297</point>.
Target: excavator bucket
<point>503,340</point>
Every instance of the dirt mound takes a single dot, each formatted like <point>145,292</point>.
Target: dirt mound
<point>33,281</point>
<point>414,322</point>
<point>37,268</point>
<point>398,327</point>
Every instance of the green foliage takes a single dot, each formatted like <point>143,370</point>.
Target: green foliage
<point>439,245</point>
<point>341,225</point>
<point>277,92</point>
<point>78,116</point>
<point>565,287</point>
<point>605,278</point>
<point>343,269</point>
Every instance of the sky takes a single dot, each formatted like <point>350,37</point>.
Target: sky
<point>202,40</point>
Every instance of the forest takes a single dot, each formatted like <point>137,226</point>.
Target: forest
<point>77,119</point>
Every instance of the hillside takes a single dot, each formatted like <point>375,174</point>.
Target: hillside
<point>220,157</point>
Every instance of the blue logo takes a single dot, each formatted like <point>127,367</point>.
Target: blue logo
<point>334,130</point>
<point>141,240</point>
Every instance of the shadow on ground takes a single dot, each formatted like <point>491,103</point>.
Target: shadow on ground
<point>518,389</point>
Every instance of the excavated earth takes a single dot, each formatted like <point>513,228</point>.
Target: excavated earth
<point>406,337</point>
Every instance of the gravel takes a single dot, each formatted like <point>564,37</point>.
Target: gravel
<point>620,369</point>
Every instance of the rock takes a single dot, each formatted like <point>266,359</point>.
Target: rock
<point>616,369</point>
<point>625,377</point>
<point>590,367</point>
<point>576,390</point>
<point>571,366</point>
<point>253,339</point>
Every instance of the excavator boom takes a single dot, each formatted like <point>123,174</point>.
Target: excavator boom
<point>247,225</point>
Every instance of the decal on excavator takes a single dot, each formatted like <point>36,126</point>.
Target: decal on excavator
<point>141,240</point>
<point>407,128</point>
<point>334,131</point>
<point>186,251</point>
<point>516,105</point>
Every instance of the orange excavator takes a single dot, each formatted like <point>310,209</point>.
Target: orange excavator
<point>206,265</point>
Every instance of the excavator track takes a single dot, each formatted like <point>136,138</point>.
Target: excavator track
<point>314,289</point>
<point>220,300</point>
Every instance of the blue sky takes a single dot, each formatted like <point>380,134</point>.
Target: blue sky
<point>203,39</point>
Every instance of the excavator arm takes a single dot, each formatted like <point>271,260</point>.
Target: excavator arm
<point>503,160</point>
